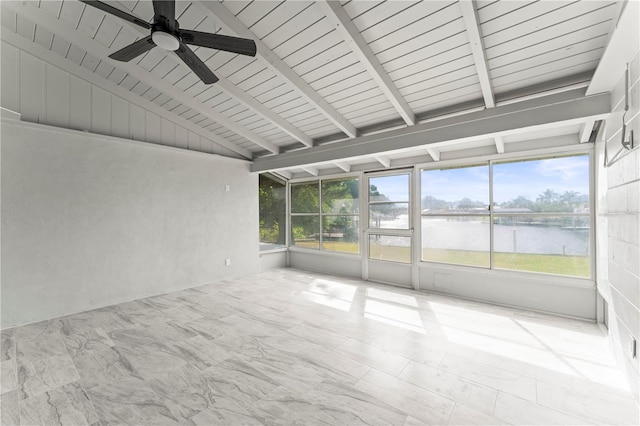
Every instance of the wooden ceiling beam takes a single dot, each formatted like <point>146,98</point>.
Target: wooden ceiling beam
<point>470,16</point>
<point>345,26</point>
<point>39,17</point>
<point>52,58</point>
<point>217,10</point>
<point>622,47</point>
<point>560,109</point>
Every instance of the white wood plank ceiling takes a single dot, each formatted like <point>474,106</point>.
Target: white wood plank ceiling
<point>325,72</point>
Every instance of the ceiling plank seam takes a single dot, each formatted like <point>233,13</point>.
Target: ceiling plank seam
<point>470,16</point>
<point>345,26</point>
<point>217,10</point>
<point>249,101</point>
<point>84,74</point>
<point>53,24</point>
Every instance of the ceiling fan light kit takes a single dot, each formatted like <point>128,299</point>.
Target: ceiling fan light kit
<point>165,40</point>
<point>166,33</point>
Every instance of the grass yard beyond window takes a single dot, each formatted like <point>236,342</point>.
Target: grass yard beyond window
<point>547,263</point>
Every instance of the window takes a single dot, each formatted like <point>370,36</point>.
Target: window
<point>325,215</point>
<point>272,211</point>
<point>539,222</point>
<point>541,217</point>
<point>305,224</point>
<point>389,202</point>
<point>390,216</point>
<point>455,216</point>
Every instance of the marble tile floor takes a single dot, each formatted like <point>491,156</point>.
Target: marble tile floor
<point>293,347</point>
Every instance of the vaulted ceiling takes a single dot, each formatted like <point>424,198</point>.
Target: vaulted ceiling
<point>328,73</point>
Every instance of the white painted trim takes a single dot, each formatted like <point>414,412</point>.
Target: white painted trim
<point>345,26</point>
<point>470,17</point>
<point>245,98</point>
<point>434,153</point>
<point>585,131</point>
<point>285,174</point>
<point>82,73</point>
<point>37,16</point>
<point>499,144</point>
<point>7,113</point>
<point>559,109</point>
<point>527,154</point>
<point>100,137</point>
<point>621,49</point>
<point>384,160</point>
<point>311,170</point>
<point>267,113</point>
<point>273,61</point>
<point>346,167</point>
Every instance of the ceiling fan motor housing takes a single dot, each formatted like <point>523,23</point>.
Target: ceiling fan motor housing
<point>164,33</point>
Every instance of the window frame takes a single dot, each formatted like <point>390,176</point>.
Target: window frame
<point>281,247</point>
<point>496,159</point>
<point>321,215</point>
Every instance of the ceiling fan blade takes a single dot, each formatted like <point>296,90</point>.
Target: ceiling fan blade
<point>242,46</point>
<point>117,12</point>
<point>166,8</point>
<point>197,66</point>
<point>129,52</point>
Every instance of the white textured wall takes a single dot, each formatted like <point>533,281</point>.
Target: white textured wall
<point>619,228</point>
<point>43,93</point>
<point>89,221</point>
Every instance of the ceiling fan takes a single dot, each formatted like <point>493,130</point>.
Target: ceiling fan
<point>167,34</point>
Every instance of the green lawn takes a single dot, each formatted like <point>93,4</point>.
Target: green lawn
<point>547,263</point>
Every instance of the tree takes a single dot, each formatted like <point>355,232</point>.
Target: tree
<point>548,201</point>
<point>467,203</point>
<point>272,210</point>
<point>519,202</point>
<point>433,203</point>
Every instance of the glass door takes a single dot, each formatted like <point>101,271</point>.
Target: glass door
<point>389,232</point>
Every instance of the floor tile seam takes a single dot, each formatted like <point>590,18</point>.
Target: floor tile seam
<point>353,357</point>
<point>577,414</point>
<point>431,391</point>
<point>484,364</point>
<point>572,389</point>
<point>90,402</point>
<point>463,380</point>
<point>485,385</point>
<point>566,413</point>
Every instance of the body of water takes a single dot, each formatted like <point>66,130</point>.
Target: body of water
<point>453,234</point>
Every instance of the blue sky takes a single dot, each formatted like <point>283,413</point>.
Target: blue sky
<point>524,178</point>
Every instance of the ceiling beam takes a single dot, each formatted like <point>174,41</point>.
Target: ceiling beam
<point>499,143</point>
<point>39,17</point>
<point>54,59</point>
<point>621,49</point>
<point>345,26</point>
<point>345,167</point>
<point>285,174</point>
<point>554,110</point>
<point>311,170</point>
<point>267,113</point>
<point>470,16</point>
<point>384,160</point>
<point>585,131</point>
<point>434,153</point>
<point>217,10</point>
<point>243,97</point>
